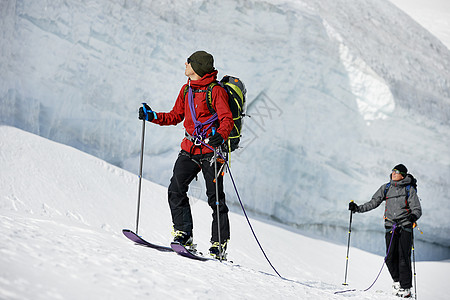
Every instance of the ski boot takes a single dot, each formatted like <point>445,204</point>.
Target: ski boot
<point>214,251</point>
<point>183,238</point>
<point>404,293</point>
<point>395,287</point>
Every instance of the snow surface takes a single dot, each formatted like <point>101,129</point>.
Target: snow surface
<point>339,92</point>
<point>61,216</point>
<point>434,15</point>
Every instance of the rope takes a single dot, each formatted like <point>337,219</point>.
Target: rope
<point>199,131</point>
<point>384,262</point>
<point>200,136</point>
<point>243,209</point>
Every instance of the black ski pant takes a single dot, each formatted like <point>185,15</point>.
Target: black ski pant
<point>398,258</point>
<point>185,170</point>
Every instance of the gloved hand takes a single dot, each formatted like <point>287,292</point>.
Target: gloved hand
<point>353,207</point>
<point>412,218</point>
<point>148,114</point>
<point>216,140</point>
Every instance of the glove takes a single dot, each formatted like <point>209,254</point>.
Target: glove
<point>148,114</point>
<point>216,140</point>
<point>412,218</point>
<point>353,207</point>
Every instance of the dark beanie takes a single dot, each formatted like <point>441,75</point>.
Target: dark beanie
<point>202,63</point>
<point>403,170</point>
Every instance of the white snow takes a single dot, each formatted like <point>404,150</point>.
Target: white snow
<point>434,15</point>
<point>339,92</point>
<point>61,216</point>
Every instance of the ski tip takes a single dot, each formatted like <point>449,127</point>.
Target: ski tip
<point>128,232</point>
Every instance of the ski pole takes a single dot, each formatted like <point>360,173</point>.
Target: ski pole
<point>217,202</point>
<point>140,171</point>
<point>414,265</point>
<point>348,246</point>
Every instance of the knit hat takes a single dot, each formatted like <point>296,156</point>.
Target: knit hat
<point>202,63</point>
<point>403,170</point>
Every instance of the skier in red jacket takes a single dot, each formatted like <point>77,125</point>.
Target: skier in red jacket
<point>195,156</point>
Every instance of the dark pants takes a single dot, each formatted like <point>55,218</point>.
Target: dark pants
<point>185,170</point>
<point>398,260</point>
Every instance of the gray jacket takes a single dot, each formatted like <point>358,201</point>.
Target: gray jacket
<point>398,205</point>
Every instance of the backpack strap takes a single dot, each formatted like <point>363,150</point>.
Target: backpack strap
<point>209,97</point>
<point>408,187</point>
<point>186,90</point>
<point>386,189</point>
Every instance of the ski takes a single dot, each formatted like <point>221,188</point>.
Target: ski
<point>140,241</point>
<point>345,291</point>
<point>193,254</point>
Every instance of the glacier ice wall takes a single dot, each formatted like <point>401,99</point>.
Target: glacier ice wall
<point>338,93</point>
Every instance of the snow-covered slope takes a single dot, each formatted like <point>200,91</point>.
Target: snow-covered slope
<point>339,92</point>
<point>434,15</point>
<point>61,215</point>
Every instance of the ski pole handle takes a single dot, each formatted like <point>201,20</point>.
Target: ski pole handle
<point>213,132</point>
<point>144,108</point>
<point>147,111</point>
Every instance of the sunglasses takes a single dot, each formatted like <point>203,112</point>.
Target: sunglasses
<point>397,172</point>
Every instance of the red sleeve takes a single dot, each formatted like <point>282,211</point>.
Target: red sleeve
<point>176,115</point>
<point>221,106</point>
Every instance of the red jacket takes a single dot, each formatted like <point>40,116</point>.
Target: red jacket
<point>181,111</point>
